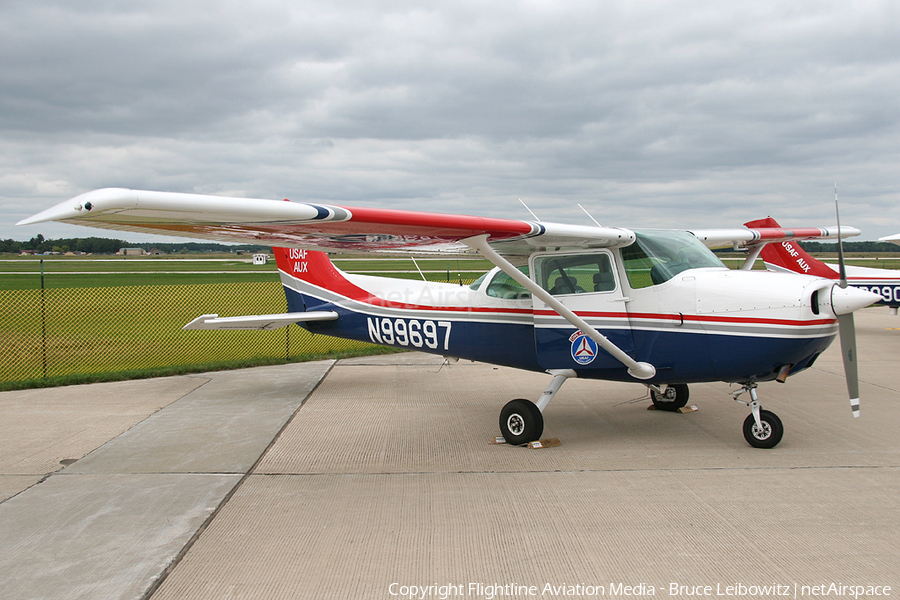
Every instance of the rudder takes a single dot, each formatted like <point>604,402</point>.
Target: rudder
<point>308,265</point>
<point>311,280</point>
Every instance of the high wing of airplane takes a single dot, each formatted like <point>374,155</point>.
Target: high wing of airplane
<point>789,256</point>
<point>655,307</point>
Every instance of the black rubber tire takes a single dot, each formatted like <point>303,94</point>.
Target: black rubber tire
<point>521,422</point>
<point>676,397</point>
<point>771,433</point>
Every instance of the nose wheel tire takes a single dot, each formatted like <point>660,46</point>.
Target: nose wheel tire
<point>766,436</point>
<point>675,397</point>
<point>521,422</point>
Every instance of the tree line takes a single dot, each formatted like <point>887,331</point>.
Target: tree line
<point>94,245</point>
<point>831,247</point>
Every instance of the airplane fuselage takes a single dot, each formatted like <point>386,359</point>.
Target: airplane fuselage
<point>701,324</point>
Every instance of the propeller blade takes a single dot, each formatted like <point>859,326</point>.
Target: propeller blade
<point>841,268</point>
<point>848,352</point>
<point>845,325</point>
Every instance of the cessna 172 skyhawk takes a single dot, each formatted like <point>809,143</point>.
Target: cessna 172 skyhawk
<point>650,306</point>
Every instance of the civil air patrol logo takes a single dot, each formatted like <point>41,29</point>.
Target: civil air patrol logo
<point>584,349</point>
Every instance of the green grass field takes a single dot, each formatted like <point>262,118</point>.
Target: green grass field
<point>79,331</point>
<point>52,281</point>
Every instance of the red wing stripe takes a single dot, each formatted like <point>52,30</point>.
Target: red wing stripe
<point>773,233</point>
<point>440,225</point>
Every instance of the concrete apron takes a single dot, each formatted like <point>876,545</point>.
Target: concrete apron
<point>110,524</point>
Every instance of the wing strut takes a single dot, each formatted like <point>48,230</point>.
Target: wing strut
<point>638,370</point>
<point>752,255</point>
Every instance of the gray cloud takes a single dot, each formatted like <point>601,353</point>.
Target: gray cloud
<point>662,114</point>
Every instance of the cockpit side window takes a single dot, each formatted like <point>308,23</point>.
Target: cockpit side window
<point>576,273</point>
<point>657,256</point>
<point>504,286</point>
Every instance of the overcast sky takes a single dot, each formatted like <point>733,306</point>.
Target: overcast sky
<point>649,114</point>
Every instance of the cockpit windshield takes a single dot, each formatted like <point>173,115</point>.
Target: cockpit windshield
<point>658,255</point>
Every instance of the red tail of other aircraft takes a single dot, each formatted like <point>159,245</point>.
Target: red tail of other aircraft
<point>788,255</point>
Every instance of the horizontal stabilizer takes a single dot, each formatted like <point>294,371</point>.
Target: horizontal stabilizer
<point>259,322</point>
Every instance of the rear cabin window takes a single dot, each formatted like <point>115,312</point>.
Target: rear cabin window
<point>575,274</point>
<point>504,286</point>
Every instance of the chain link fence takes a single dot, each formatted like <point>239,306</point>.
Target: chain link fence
<point>80,331</point>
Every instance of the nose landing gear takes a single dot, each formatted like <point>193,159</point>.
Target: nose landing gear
<point>762,428</point>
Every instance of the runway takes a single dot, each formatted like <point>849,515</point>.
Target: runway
<point>376,478</point>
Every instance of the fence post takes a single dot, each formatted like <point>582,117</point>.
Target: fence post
<point>43,321</point>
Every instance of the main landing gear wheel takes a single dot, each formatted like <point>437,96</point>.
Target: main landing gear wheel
<point>675,397</point>
<point>766,436</point>
<point>521,422</point>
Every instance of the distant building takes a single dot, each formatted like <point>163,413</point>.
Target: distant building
<point>130,252</point>
<point>260,259</point>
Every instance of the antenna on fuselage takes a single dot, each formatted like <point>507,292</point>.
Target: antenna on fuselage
<point>530,211</point>
<point>589,216</point>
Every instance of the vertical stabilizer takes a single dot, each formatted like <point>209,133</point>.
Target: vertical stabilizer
<point>308,265</point>
<point>310,279</point>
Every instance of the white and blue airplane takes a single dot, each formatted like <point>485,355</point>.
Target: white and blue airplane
<point>654,307</point>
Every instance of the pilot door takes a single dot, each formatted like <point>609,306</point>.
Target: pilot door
<point>587,284</point>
